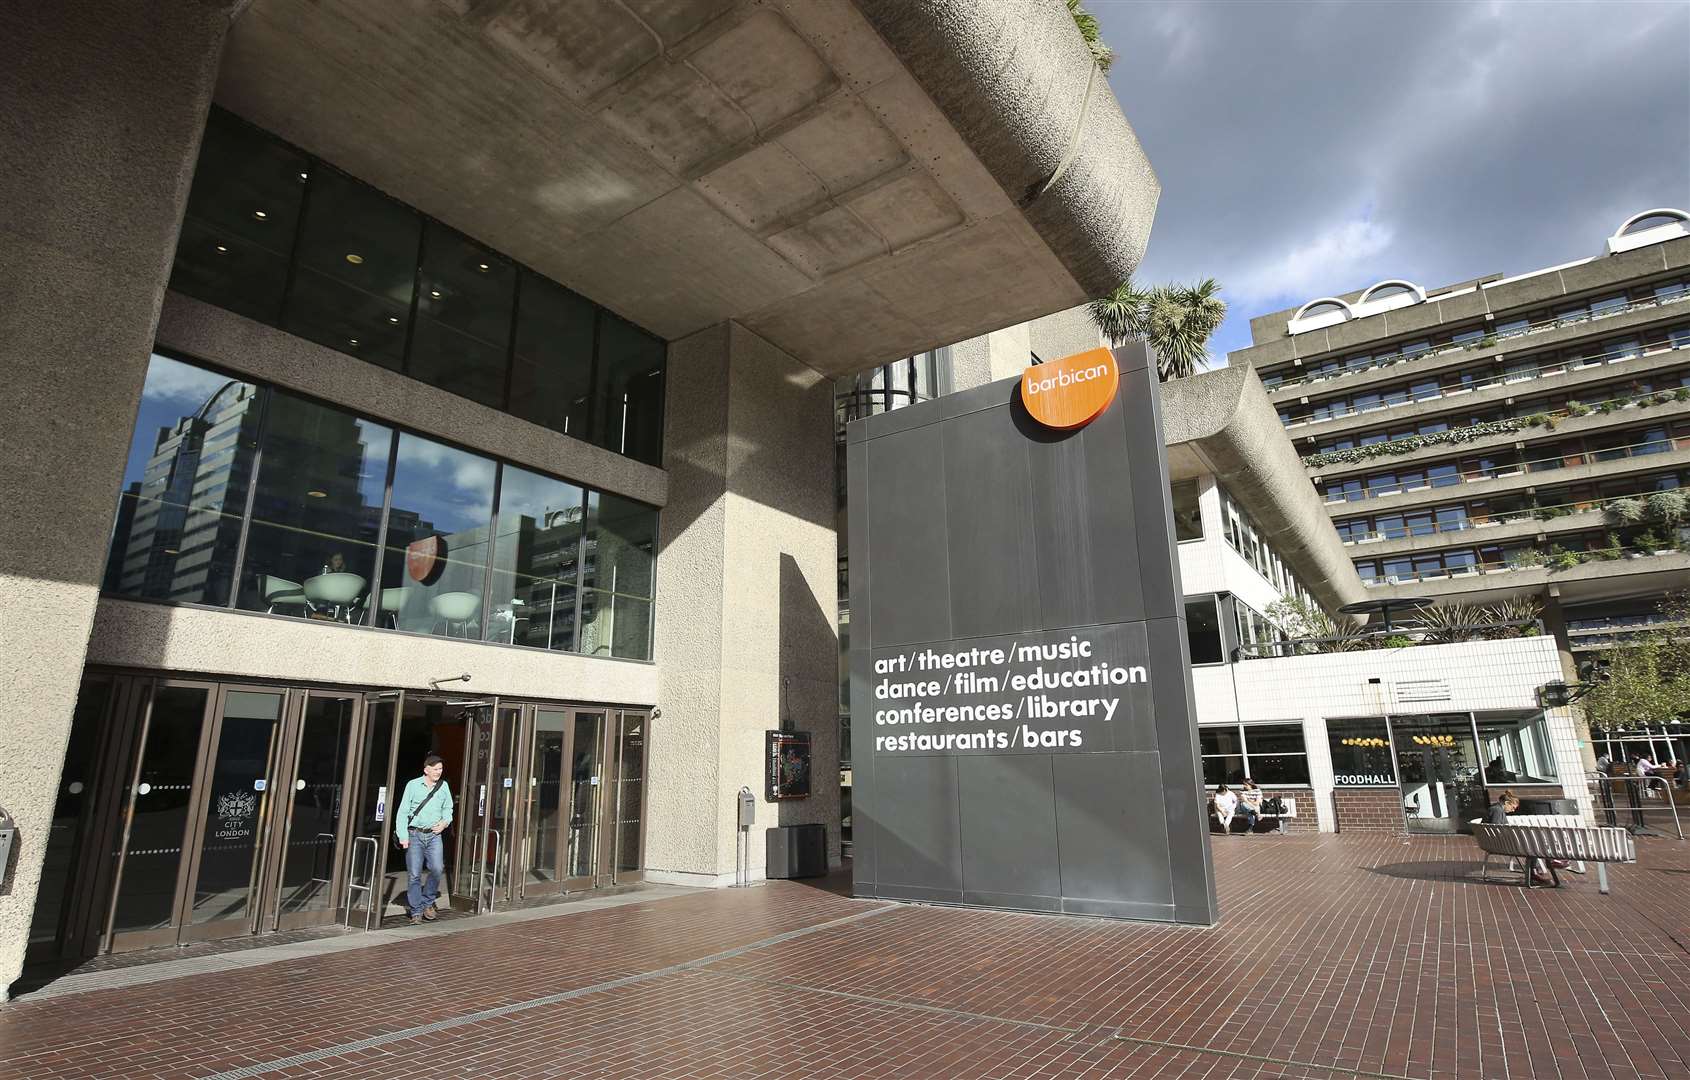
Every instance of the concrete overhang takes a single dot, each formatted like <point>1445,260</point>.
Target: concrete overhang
<point>1221,423</point>
<point>853,181</point>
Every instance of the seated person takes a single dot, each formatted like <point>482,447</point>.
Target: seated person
<point>1509,803</point>
<point>1250,804</point>
<point>1497,771</point>
<point>1224,804</point>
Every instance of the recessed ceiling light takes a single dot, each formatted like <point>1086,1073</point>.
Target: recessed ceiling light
<point>434,293</point>
<point>221,249</point>
<point>352,341</point>
<point>170,551</point>
<point>484,267</point>
<point>260,215</point>
<point>304,176</point>
<point>315,494</point>
<point>393,318</point>
<point>354,258</point>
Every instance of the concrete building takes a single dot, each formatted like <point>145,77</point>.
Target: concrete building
<point>1504,436</point>
<point>539,308</point>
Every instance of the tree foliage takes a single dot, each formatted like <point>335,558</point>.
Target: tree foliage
<point>1647,677</point>
<point>1092,33</point>
<point>1175,320</point>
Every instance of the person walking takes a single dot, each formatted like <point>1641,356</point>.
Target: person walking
<point>425,811</point>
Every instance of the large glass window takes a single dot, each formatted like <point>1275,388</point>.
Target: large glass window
<point>356,270</point>
<point>185,488</point>
<point>243,210</point>
<point>311,547</point>
<point>1361,752</point>
<point>1516,749</point>
<point>571,569</point>
<point>552,375</point>
<point>619,553</point>
<point>1188,516</point>
<point>434,570</point>
<point>1269,754</point>
<point>630,379</point>
<point>463,324</point>
<point>535,558</point>
<point>1203,631</point>
<point>279,236</point>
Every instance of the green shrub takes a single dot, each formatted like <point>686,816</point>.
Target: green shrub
<point>1649,541</point>
<point>1667,508</point>
<point>1526,558</point>
<point>1608,406</point>
<point>1398,641</point>
<point>1559,558</point>
<point>1627,511</point>
<point>1577,408</point>
<point>1681,394</point>
<point>1536,419</point>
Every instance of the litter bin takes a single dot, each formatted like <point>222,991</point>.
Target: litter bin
<point>796,851</point>
<point>1549,806</point>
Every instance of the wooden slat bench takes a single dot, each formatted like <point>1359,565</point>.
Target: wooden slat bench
<point>1569,842</point>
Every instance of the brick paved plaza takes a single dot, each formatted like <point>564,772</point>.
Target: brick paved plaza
<point>1338,956</point>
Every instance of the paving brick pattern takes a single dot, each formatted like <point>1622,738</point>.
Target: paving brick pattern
<point>1338,956</point>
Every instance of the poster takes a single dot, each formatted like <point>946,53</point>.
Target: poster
<point>788,765</point>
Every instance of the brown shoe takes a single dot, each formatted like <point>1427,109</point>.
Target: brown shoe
<point>415,920</point>
<point>430,914</point>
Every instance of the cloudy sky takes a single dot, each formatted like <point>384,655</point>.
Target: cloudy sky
<point>1310,148</point>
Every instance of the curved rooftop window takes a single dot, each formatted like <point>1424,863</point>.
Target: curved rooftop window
<point>1316,308</point>
<point>1652,219</point>
<point>1385,290</point>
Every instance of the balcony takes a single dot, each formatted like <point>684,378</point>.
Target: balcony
<point>1530,336</point>
<point>1560,375</point>
<point>1598,574</point>
<point>1429,536</point>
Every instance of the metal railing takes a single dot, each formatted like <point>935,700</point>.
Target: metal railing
<point>1399,637</point>
<point>1666,444</point>
<point>1636,789</point>
<point>1540,327</point>
<point>1467,524</point>
<point>1507,378</point>
<point>369,886</point>
<point>1443,572</point>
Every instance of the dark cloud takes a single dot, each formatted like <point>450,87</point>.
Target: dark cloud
<point>1311,148</point>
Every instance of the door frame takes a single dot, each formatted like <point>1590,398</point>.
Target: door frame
<point>263,824</point>
<point>614,811</point>
<point>112,939</point>
<point>287,774</point>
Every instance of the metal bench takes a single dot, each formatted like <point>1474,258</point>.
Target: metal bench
<point>1546,842</point>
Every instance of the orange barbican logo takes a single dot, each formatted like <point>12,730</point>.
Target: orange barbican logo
<point>1071,392</point>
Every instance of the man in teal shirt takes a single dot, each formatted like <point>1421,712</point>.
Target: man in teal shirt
<point>425,810</point>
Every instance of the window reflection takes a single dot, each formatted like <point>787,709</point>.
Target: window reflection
<point>534,560</point>
<point>356,271</point>
<point>434,569</point>
<point>463,317</point>
<point>237,235</point>
<point>311,548</point>
<point>617,577</point>
<point>184,491</point>
<point>630,413</point>
<point>552,376</point>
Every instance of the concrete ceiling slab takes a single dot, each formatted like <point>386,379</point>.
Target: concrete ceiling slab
<point>830,173</point>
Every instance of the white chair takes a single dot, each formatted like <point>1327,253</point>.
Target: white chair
<point>280,592</point>
<point>392,601</point>
<point>456,607</point>
<point>337,591</point>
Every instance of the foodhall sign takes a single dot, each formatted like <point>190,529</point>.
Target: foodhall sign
<point>1072,392</point>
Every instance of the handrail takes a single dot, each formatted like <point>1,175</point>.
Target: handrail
<point>1503,379</point>
<point>1553,323</point>
<point>484,888</point>
<point>1443,572</point>
<point>1665,445</point>
<point>368,887</point>
<point>1637,808</point>
<point>1369,639</point>
<point>1467,524</point>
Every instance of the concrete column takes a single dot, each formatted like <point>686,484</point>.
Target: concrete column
<point>1555,623</point>
<point>101,109</point>
<point>746,599</point>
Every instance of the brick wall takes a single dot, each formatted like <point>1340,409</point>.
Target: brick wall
<point>1376,809</point>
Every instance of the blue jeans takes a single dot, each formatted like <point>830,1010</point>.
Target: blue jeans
<point>425,849</point>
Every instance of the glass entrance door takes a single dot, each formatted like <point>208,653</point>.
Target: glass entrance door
<point>547,801</point>
<point>627,799</point>
<point>583,848</point>
<point>232,815</point>
<point>313,812</point>
<point>487,815</point>
<point>1438,772</point>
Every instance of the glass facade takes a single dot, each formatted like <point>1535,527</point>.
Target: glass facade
<point>1269,754</point>
<point>278,236</point>
<point>1203,630</point>
<point>1188,515</point>
<point>248,496</point>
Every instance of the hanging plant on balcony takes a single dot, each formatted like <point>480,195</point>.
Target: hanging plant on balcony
<point>1668,508</point>
<point>1624,512</point>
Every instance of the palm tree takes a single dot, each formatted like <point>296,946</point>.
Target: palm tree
<point>1176,321</point>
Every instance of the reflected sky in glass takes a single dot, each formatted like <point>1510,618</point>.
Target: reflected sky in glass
<point>173,390</point>
<point>450,489</point>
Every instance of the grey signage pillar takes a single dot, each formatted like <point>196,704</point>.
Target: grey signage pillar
<point>1022,727</point>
